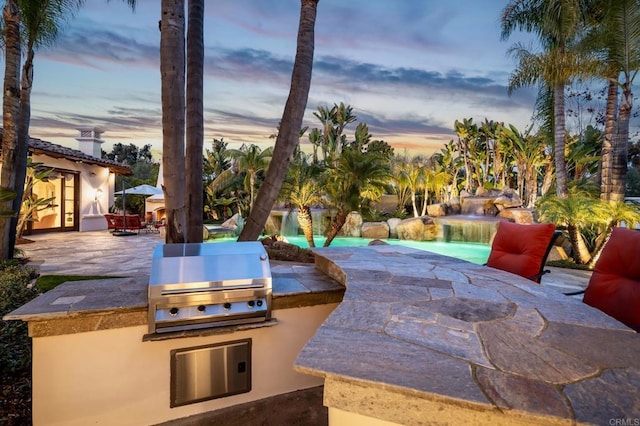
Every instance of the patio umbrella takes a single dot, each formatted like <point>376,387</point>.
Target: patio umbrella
<point>143,189</point>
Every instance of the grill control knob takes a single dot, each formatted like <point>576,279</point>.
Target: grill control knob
<point>251,303</point>
<point>201,308</point>
<point>173,311</point>
<point>259,302</point>
<point>227,306</point>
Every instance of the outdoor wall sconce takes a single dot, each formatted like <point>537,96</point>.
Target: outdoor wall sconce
<point>98,195</point>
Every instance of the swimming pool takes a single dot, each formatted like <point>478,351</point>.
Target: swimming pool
<point>472,252</point>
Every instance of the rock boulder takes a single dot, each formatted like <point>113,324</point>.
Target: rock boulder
<point>375,230</point>
<point>393,225</point>
<point>421,228</point>
<point>352,225</point>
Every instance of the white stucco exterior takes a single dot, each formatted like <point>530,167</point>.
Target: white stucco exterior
<point>96,190</point>
<point>112,377</point>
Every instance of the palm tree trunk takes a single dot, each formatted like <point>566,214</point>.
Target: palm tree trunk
<point>10,118</point>
<point>290,125</point>
<point>172,62</point>
<point>620,147</point>
<point>607,143</point>
<point>413,203</point>
<point>22,150</point>
<point>336,225</point>
<point>531,188</point>
<point>581,254</point>
<point>252,189</point>
<point>195,133</point>
<point>559,138</point>
<point>547,180</point>
<point>305,220</point>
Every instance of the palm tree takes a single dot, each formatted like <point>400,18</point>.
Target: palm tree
<point>325,115</point>
<point>216,159</point>
<point>290,125</point>
<point>614,213</point>
<point>556,22</point>
<point>413,177</point>
<point>614,36</point>
<point>172,60</point>
<point>358,176</point>
<point>399,183</point>
<point>528,157</point>
<point>195,126</point>
<point>574,213</point>
<point>41,22</point>
<point>467,133</point>
<point>449,163</point>
<point>315,139</point>
<point>252,161</point>
<point>624,17</point>
<point>10,120</point>
<point>583,154</point>
<point>303,189</point>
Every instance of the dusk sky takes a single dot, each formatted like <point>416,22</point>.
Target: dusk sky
<point>409,69</point>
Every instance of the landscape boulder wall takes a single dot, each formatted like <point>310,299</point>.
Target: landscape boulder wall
<point>507,200</point>
<point>454,206</point>
<point>524,216</point>
<point>393,226</point>
<point>437,210</point>
<point>478,206</point>
<point>489,202</point>
<point>352,226</point>
<point>421,228</point>
<point>375,230</point>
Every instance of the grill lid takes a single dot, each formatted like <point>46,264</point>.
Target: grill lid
<point>210,264</point>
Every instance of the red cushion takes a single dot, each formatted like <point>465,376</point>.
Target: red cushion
<point>614,287</point>
<point>521,249</point>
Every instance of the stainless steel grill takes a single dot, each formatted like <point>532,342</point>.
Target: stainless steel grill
<point>196,285</point>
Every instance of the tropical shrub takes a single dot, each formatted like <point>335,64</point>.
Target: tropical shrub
<point>15,291</point>
<point>15,345</point>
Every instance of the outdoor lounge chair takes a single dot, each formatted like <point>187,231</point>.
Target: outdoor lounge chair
<point>522,249</point>
<point>614,287</point>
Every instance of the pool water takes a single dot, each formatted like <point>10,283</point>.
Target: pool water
<point>472,252</point>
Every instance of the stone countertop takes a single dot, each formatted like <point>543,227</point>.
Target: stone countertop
<point>469,338</point>
<point>294,285</point>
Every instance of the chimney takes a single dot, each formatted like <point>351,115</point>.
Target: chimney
<point>89,141</point>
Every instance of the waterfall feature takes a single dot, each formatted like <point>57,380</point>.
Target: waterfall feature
<point>466,228</point>
<point>285,222</point>
<point>289,225</point>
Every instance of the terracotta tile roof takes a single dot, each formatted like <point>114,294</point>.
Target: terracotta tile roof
<point>38,146</point>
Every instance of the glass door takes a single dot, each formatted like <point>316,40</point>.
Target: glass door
<point>61,190</point>
<point>69,206</point>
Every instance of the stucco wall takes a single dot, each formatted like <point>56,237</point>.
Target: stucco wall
<point>96,190</point>
<point>112,377</point>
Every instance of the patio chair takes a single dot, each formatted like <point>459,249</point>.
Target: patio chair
<point>111,223</point>
<point>522,249</point>
<point>614,287</point>
<point>133,223</point>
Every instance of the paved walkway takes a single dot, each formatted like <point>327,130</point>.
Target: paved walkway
<point>100,253</point>
<point>91,253</point>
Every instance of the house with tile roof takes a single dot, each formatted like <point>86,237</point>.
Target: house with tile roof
<point>81,184</point>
